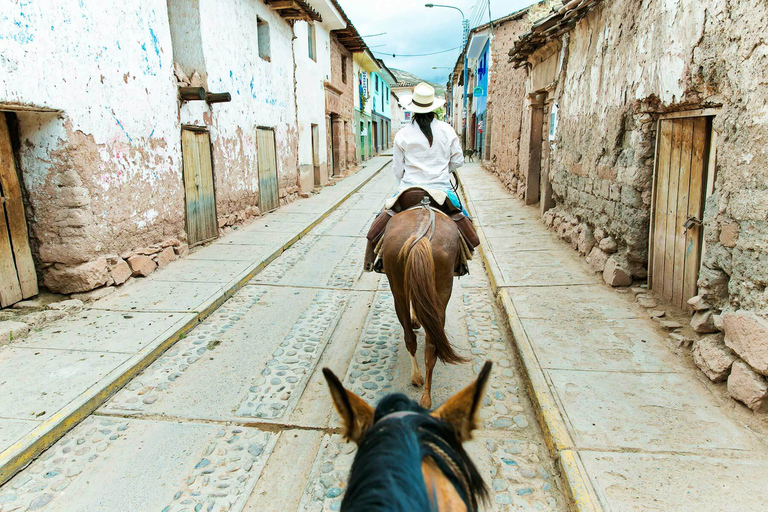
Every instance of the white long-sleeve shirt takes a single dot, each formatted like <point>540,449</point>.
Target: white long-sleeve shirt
<point>416,164</point>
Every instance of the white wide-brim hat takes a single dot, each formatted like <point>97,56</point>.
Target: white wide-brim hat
<point>423,99</point>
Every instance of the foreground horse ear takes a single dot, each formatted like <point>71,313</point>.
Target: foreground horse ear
<point>461,409</point>
<point>356,414</point>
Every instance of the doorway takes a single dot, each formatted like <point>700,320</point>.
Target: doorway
<point>675,245</point>
<point>316,156</point>
<point>375,137</point>
<point>18,279</point>
<point>269,198</point>
<point>198,185</point>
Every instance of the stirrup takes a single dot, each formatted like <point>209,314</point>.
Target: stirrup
<point>461,269</point>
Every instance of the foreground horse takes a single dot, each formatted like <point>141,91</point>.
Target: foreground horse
<point>421,249</point>
<point>408,459</point>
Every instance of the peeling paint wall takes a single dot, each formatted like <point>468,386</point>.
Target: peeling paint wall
<point>262,96</point>
<point>310,77</point>
<point>118,102</point>
<point>104,176</point>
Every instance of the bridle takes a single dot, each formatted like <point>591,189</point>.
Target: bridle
<point>439,451</point>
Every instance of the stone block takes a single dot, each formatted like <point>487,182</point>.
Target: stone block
<point>747,335</point>
<point>713,358</point>
<point>69,253</point>
<point>729,234</point>
<point>646,302</point>
<point>597,260</point>
<point>669,325</point>
<point>73,197</point>
<point>66,305</point>
<point>614,275</point>
<point>80,278</point>
<point>703,322</point>
<point>10,330</point>
<point>586,241</point>
<point>697,303</point>
<point>141,265</point>
<point>748,387</point>
<point>168,255</point>
<point>608,245</point>
<point>120,272</point>
<point>182,250</point>
<point>713,284</point>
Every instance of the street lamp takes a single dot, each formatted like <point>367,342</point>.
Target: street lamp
<point>465,25</point>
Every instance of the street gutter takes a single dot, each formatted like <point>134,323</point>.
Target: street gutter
<point>578,488</point>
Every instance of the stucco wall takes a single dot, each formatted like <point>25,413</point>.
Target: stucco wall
<point>104,176</point>
<point>345,106</point>
<point>114,137</point>
<point>310,76</point>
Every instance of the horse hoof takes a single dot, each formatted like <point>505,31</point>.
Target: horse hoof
<point>426,402</point>
<point>417,382</point>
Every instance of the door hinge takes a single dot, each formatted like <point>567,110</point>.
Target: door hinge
<point>690,222</point>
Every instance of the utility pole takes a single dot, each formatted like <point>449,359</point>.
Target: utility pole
<point>465,38</point>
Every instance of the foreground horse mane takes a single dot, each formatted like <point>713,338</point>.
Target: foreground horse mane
<point>387,474</point>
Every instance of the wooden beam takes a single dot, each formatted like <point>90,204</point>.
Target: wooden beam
<point>278,5</point>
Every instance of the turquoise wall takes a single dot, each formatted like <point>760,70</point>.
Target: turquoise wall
<point>380,96</point>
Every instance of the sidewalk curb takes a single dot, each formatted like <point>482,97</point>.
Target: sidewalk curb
<point>578,488</point>
<point>29,447</point>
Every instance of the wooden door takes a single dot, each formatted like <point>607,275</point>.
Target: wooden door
<point>198,186</point>
<point>18,279</point>
<point>676,233</point>
<point>268,191</point>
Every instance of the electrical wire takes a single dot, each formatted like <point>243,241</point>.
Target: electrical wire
<point>419,54</point>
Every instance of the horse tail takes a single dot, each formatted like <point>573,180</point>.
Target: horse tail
<point>422,294</point>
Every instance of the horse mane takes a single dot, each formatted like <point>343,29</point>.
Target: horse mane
<point>386,473</point>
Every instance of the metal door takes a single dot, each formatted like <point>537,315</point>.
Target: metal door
<point>198,186</point>
<point>676,232</point>
<point>267,158</point>
<point>18,279</point>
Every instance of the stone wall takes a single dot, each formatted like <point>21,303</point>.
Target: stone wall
<point>102,173</point>
<point>506,104</point>
<point>346,101</point>
<point>620,70</point>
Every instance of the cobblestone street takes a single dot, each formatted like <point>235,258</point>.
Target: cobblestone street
<point>237,415</point>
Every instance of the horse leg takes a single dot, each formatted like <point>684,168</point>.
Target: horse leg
<point>430,358</point>
<point>403,311</point>
<point>414,321</point>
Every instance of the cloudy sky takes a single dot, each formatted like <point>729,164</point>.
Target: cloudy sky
<point>412,29</point>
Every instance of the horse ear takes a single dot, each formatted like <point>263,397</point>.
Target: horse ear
<point>355,413</point>
<point>461,409</point>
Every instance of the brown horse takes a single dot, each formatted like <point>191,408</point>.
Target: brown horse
<point>421,249</point>
<point>410,459</point>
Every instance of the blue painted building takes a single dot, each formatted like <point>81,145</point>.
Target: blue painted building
<point>380,85</point>
<point>480,94</point>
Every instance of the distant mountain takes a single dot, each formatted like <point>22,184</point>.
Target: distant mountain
<point>408,79</point>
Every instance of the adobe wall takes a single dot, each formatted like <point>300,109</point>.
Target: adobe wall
<point>103,177</point>
<point>346,101</point>
<point>621,70</point>
<point>506,105</point>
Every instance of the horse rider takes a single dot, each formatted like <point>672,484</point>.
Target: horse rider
<point>426,152</point>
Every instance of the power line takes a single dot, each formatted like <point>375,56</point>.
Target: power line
<point>420,54</point>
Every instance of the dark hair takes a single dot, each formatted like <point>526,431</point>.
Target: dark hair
<point>386,473</point>
<point>425,123</point>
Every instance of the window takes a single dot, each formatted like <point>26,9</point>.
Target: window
<point>376,82</point>
<point>262,28</point>
<point>312,42</point>
<point>343,69</point>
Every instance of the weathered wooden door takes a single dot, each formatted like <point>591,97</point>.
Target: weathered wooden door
<point>268,191</point>
<point>18,279</point>
<point>682,156</point>
<point>198,186</point>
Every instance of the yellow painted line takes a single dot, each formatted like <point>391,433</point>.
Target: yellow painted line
<point>30,446</point>
<point>578,488</point>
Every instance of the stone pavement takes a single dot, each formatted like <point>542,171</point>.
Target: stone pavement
<point>634,426</point>
<point>237,416</point>
<point>58,375</point>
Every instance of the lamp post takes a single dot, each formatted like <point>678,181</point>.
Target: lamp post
<point>465,26</point>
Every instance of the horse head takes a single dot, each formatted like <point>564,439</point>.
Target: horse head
<point>409,458</point>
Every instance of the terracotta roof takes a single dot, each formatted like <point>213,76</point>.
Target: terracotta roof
<point>546,29</point>
<point>349,37</point>
<point>294,10</point>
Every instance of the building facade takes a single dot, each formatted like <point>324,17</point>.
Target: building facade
<point>194,117</point>
<point>381,83</point>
